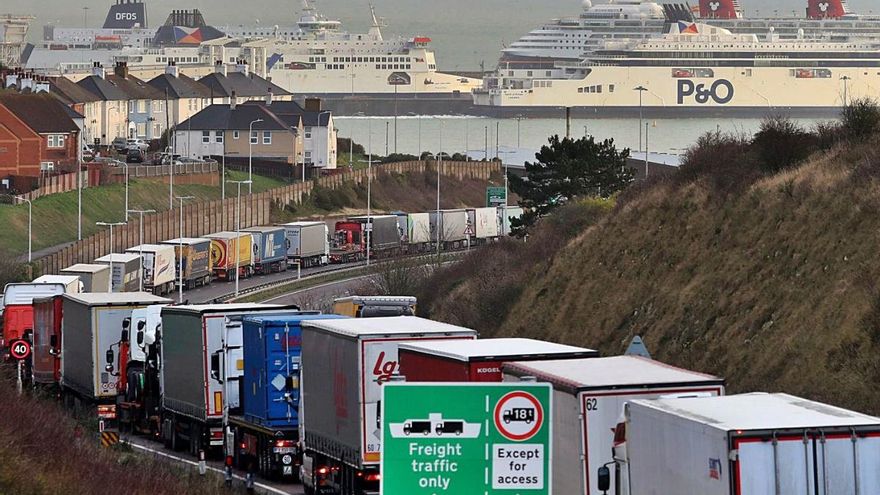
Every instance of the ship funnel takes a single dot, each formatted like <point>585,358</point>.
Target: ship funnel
<point>720,9</point>
<point>826,9</point>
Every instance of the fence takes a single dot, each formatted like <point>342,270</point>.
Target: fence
<point>214,216</point>
<point>56,184</point>
<point>208,167</point>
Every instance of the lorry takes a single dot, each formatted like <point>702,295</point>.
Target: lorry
<point>478,361</point>
<point>373,306</point>
<point>269,249</point>
<point>72,284</point>
<point>505,213</point>
<point>46,354</point>
<point>351,237</point>
<point>159,269</point>
<point>588,399</point>
<point>308,243</point>
<point>483,224</point>
<point>266,434</point>
<point>18,309</point>
<point>125,271</point>
<point>225,261</point>
<point>754,443</point>
<point>200,349</point>
<point>94,338</point>
<point>94,277</point>
<point>344,364</point>
<point>138,405</point>
<point>449,228</point>
<point>418,232</point>
<point>193,254</point>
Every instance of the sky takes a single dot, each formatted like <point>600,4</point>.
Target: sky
<point>464,32</point>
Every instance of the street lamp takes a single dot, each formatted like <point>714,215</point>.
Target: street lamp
<point>439,165</point>
<point>419,116</point>
<point>30,225</point>
<point>518,120</point>
<point>141,244</point>
<point>121,278</point>
<point>180,251</point>
<point>238,231</point>
<point>251,154</point>
<point>640,89</point>
<point>845,80</point>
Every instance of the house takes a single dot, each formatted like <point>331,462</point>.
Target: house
<point>238,131</point>
<point>83,102</point>
<point>37,134</point>
<point>185,95</point>
<point>318,131</point>
<point>241,84</point>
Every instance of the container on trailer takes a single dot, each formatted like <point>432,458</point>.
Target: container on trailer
<point>202,368</point>
<point>483,222</point>
<point>94,277</point>
<point>18,309</point>
<point>504,216</point>
<point>753,443</point>
<point>46,360</point>
<point>269,248</point>
<point>374,306</point>
<point>72,283</point>
<point>307,242</point>
<point>195,255</point>
<point>159,266</point>
<point>224,246</point>
<point>383,231</point>
<point>345,363</point>
<point>125,271</point>
<point>452,226</point>
<point>588,399</point>
<point>478,361</point>
<point>418,228</point>
<point>90,335</point>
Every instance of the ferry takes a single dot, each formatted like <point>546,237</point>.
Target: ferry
<point>698,69</point>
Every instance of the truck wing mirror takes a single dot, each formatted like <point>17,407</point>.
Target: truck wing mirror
<point>124,336</point>
<point>126,323</point>
<point>53,341</point>
<point>109,356</point>
<point>140,337</point>
<point>603,479</point>
<point>215,366</point>
<point>141,325</point>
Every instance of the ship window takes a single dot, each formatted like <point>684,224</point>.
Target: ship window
<point>599,88</point>
<point>377,66</point>
<point>580,90</point>
<point>610,88</point>
<point>528,73</point>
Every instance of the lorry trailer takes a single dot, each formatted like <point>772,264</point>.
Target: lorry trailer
<point>753,443</point>
<point>382,232</point>
<point>373,306</point>
<point>159,267</point>
<point>588,399</point>
<point>46,354</point>
<point>72,284</point>
<point>344,364</point>
<point>125,271</point>
<point>269,249</point>
<point>307,243</point>
<point>194,256</point>
<point>477,361</point>
<point>483,223</point>
<point>450,228</point>
<point>266,434</point>
<point>94,277</point>
<point>200,349</point>
<point>231,251</point>
<point>18,309</point>
<point>418,232</point>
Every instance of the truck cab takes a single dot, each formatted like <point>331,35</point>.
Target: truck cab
<point>139,402</point>
<point>373,306</point>
<point>348,244</point>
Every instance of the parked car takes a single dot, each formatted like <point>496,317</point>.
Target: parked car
<point>139,144</point>
<point>120,144</point>
<point>88,152</point>
<point>134,155</point>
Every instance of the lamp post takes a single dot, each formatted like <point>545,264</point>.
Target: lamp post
<point>518,120</point>
<point>125,164</point>
<point>251,154</point>
<point>646,151</point>
<point>386,137</point>
<point>180,251</point>
<point>439,165</point>
<point>467,139</point>
<point>141,244</point>
<point>111,225</point>
<point>640,89</point>
<point>30,225</point>
<point>79,184</point>
<point>238,231</point>
<point>370,184</point>
<point>845,80</point>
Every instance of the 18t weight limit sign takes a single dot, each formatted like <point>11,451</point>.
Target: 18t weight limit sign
<point>518,417</point>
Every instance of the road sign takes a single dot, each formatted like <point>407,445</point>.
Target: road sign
<point>468,231</point>
<point>20,349</point>
<point>486,438</point>
<point>496,196</point>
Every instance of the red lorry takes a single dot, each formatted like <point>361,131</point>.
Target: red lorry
<point>46,357</point>
<point>18,309</point>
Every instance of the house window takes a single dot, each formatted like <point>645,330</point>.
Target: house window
<point>308,155</point>
<point>254,138</point>
<point>206,137</point>
<point>308,133</point>
<point>267,137</point>
<point>142,106</point>
<point>159,106</point>
<point>218,137</point>
<point>56,140</point>
<point>235,135</point>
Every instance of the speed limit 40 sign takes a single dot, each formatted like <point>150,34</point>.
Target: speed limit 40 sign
<point>20,349</point>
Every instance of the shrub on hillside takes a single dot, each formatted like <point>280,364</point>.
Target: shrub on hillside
<point>861,118</point>
<point>781,143</point>
<point>725,161</point>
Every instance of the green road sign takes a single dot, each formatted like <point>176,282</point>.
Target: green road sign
<point>496,196</point>
<point>466,438</point>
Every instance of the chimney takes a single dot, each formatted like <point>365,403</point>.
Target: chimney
<point>121,69</point>
<point>27,82</point>
<point>98,70</point>
<point>313,104</point>
<point>41,85</point>
<point>233,100</point>
<point>242,67</point>
<point>220,67</point>
<point>171,69</point>
<point>269,97</point>
<point>11,79</point>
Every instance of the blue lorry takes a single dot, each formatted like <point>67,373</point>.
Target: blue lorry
<point>269,249</point>
<point>264,438</point>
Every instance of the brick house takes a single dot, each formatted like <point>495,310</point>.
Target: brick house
<point>37,134</point>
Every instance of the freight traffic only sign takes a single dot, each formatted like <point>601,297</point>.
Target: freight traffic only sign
<point>496,196</point>
<point>456,438</point>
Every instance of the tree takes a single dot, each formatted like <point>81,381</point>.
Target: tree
<point>567,169</point>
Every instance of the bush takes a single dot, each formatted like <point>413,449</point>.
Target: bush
<point>781,143</point>
<point>725,161</point>
<point>861,118</point>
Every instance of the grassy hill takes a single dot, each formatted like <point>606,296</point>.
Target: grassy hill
<point>771,280</point>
